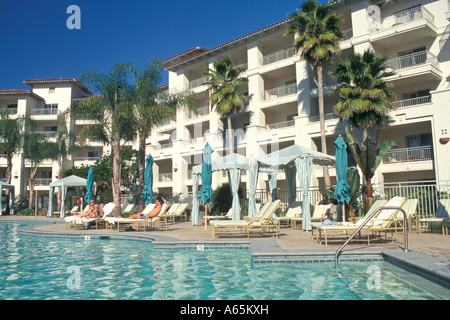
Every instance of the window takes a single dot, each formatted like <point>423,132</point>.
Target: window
<point>419,140</point>
<point>51,90</point>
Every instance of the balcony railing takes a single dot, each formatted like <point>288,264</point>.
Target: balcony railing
<point>165,177</point>
<point>280,125</point>
<point>280,91</point>
<point>327,116</point>
<point>202,111</point>
<point>408,15</point>
<point>47,134</point>
<point>11,110</point>
<point>197,82</point>
<point>43,111</point>
<point>42,181</point>
<point>411,102</point>
<point>411,60</point>
<point>278,56</point>
<point>408,155</point>
<point>86,158</point>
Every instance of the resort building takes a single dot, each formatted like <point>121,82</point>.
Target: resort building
<point>283,99</point>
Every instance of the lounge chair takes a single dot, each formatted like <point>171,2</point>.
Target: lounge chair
<point>113,222</point>
<point>294,211</point>
<point>176,210</point>
<point>442,217</point>
<point>375,205</point>
<point>226,216</point>
<point>410,207</point>
<point>123,224</point>
<point>261,212</point>
<point>383,221</point>
<point>159,220</point>
<point>75,222</point>
<point>128,208</point>
<point>320,213</point>
<point>264,225</point>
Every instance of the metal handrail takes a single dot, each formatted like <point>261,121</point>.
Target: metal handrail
<point>405,230</point>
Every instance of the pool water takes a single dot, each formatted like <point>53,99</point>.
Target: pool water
<point>37,268</point>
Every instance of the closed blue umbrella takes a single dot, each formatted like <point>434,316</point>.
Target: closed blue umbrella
<point>206,189</point>
<point>147,192</point>
<point>342,190</point>
<point>89,185</point>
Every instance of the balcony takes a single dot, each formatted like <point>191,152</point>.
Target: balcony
<point>42,181</point>
<point>411,102</point>
<point>43,111</point>
<point>198,82</point>
<point>47,134</point>
<point>202,111</point>
<point>279,92</point>
<point>278,56</point>
<point>398,29</point>
<point>280,125</point>
<point>165,177</point>
<point>11,110</point>
<point>414,154</point>
<point>421,64</point>
<point>327,116</point>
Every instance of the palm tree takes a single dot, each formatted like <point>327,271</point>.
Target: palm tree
<point>224,90</point>
<point>111,113</point>
<point>11,138</point>
<point>364,101</point>
<point>36,149</point>
<point>317,34</point>
<point>363,91</point>
<point>153,107</point>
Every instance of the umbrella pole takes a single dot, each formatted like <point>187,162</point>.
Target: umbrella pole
<point>343,212</point>
<point>206,213</point>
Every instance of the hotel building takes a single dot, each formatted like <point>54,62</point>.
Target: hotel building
<point>283,99</point>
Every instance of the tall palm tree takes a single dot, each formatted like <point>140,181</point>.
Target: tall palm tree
<point>11,138</point>
<point>364,101</point>
<point>112,116</point>
<point>153,107</point>
<point>363,90</point>
<point>317,34</point>
<point>224,89</point>
<point>36,149</point>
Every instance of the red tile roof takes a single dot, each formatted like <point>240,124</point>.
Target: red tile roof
<point>60,80</point>
<point>19,92</point>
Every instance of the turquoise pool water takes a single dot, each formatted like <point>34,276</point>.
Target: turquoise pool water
<point>73,269</point>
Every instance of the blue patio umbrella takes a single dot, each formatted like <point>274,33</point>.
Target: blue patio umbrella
<point>147,192</point>
<point>89,185</point>
<point>342,190</point>
<point>205,195</point>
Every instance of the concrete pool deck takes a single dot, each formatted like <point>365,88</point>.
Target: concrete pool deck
<point>428,254</point>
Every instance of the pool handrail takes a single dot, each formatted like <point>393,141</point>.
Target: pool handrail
<point>405,230</point>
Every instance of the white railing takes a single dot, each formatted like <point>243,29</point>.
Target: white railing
<point>47,134</point>
<point>411,60</point>
<point>42,181</point>
<point>280,125</point>
<point>348,33</point>
<point>43,111</point>
<point>408,15</point>
<point>414,154</point>
<point>202,111</point>
<point>11,110</point>
<point>411,102</point>
<point>281,91</point>
<point>165,177</point>
<point>198,82</point>
<point>86,158</point>
<point>327,116</point>
<point>278,56</point>
<point>427,193</point>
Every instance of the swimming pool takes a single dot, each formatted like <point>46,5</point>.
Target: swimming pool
<point>38,268</point>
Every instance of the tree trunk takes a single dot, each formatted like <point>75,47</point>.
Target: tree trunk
<point>141,169</point>
<point>116,180</point>
<point>323,139</point>
<point>230,134</point>
<point>59,193</point>
<point>31,187</point>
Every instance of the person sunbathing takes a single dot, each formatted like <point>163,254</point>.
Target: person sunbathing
<point>87,211</point>
<point>151,214</point>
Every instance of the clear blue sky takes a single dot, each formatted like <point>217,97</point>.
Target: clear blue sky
<point>36,43</point>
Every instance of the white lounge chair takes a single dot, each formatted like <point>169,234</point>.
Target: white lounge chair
<point>442,217</point>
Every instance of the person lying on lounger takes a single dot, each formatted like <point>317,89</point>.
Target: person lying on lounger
<point>87,211</point>
<point>151,214</point>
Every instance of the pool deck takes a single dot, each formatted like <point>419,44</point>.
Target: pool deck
<point>428,253</point>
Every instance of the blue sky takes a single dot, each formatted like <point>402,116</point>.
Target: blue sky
<point>36,43</point>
